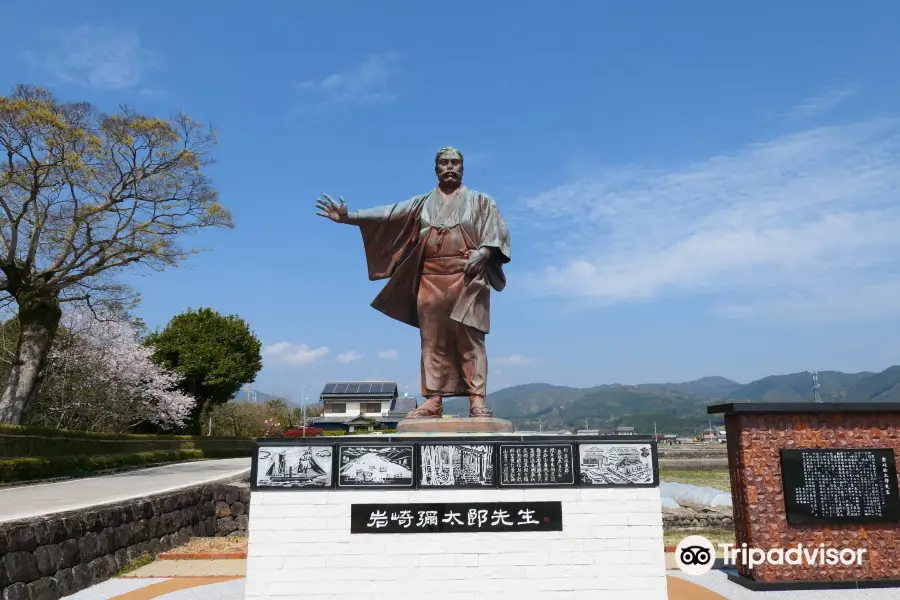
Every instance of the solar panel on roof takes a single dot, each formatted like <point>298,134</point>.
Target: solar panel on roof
<point>353,388</point>
<point>340,388</point>
<point>365,388</point>
<point>329,388</point>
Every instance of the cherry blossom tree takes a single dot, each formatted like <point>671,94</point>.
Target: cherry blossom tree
<point>101,377</point>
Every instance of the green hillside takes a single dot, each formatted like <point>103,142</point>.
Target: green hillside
<point>678,408</point>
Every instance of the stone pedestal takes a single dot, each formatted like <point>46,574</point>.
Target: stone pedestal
<point>758,433</point>
<point>486,517</point>
<point>453,426</point>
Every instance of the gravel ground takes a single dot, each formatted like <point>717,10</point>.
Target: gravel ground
<point>212,545</point>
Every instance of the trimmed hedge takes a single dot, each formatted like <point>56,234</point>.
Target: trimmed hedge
<point>35,442</point>
<point>30,469</point>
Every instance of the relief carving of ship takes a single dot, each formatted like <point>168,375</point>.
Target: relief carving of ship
<point>306,468</point>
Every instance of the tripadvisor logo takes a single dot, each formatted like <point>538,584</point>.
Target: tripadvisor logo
<point>695,555</point>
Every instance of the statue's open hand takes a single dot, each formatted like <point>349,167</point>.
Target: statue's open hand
<point>477,262</point>
<point>330,209</point>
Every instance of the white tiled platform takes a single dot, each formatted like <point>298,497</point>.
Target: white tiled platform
<point>611,547</point>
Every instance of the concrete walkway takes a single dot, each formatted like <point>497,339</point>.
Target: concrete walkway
<point>76,494</point>
<point>226,582</point>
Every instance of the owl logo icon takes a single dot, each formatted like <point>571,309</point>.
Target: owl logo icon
<point>695,555</point>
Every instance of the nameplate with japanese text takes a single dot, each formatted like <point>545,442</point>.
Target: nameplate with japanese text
<point>457,517</point>
<point>840,486</point>
<point>528,465</point>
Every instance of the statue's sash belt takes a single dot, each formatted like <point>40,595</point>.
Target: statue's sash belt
<point>444,265</point>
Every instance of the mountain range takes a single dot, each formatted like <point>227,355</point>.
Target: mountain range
<point>678,408</point>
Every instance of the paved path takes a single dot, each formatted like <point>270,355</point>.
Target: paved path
<point>75,494</point>
<point>712,586</point>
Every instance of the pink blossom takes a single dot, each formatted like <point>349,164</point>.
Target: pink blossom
<point>124,366</point>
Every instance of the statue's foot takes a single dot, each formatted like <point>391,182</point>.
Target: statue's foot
<point>430,409</point>
<point>477,407</point>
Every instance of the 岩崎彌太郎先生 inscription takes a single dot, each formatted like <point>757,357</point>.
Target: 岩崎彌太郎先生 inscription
<point>458,517</point>
<point>824,485</point>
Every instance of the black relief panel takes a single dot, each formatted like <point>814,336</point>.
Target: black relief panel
<point>375,466</point>
<point>537,465</point>
<point>840,486</point>
<point>457,465</point>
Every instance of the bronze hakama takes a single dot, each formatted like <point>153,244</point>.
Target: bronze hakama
<point>422,246</point>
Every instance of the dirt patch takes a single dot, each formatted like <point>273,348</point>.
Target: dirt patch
<point>217,545</point>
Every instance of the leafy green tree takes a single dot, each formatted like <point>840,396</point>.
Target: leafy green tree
<point>215,354</point>
<point>85,195</point>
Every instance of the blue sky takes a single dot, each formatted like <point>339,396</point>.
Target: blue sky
<point>692,188</point>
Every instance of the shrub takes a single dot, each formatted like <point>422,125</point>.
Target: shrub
<point>310,432</point>
<point>30,469</point>
<point>33,442</point>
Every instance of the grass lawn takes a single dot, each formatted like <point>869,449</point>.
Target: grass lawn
<point>716,478</point>
<point>716,536</point>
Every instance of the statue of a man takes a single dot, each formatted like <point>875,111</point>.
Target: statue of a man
<point>442,252</point>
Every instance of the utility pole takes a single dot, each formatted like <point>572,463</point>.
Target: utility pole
<point>815,378</point>
<point>303,408</point>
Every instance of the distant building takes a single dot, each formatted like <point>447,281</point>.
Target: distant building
<point>624,430</point>
<point>588,432</point>
<point>354,406</point>
<point>709,435</point>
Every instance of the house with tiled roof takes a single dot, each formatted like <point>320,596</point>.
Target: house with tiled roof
<point>354,406</point>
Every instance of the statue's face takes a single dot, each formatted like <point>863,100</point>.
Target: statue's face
<point>449,168</point>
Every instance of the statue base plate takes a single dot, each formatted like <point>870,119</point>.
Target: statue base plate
<point>461,425</point>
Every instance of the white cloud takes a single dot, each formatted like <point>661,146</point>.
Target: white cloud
<point>794,217</point>
<point>368,81</point>
<point>349,357</point>
<point>293,354</point>
<point>387,354</point>
<point>847,302</point>
<point>512,360</point>
<point>825,100</point>
<point>102,57</point>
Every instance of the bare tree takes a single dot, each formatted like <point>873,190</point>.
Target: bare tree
<point>82,196</point>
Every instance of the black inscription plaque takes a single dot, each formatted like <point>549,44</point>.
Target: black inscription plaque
<point>840,486</point>
<point>535,465</point>
<point>450,518</point>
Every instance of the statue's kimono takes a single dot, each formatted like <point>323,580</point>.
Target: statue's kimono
<point>422,246</point>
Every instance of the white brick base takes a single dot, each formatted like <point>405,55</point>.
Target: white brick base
<point>610,548</point>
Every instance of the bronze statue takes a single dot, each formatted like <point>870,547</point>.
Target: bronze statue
<point>441,252</point>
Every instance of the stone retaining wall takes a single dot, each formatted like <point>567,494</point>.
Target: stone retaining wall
<point>50,557</point>
<point>704,518</point>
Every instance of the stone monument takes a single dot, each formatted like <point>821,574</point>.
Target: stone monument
<point>403,517</point>
<point>441,253</point>
<point>818,479</point>
<point>451,508</point>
